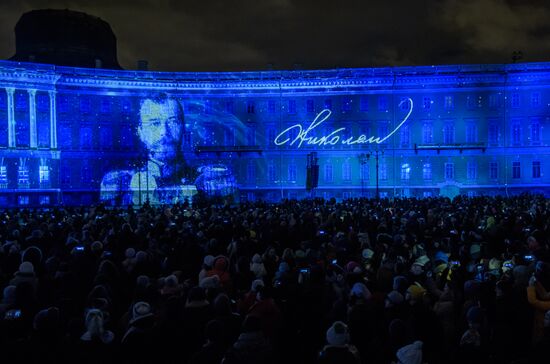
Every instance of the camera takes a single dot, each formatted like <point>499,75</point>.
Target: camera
<point>79,248</point>
<point>529,258</point>
<point>321,232</point>
<point>304,270</point>
<point>334,261</point>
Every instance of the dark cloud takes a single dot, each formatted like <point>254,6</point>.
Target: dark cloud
<point>202,35</point>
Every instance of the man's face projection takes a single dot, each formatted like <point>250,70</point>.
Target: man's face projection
<point>161,127</point>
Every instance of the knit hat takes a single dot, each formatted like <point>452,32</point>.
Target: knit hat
<point>494,264</point>
<point>130,253</point>
<point>367,254</point>
<point>26,268</point>
<point>141,256</point>
<point>257,259</point>
<point>256,284</point>
<point>395,298</point>
<point>338,334</point>
<point>422,260</point>
<point>416,292</point>
<point>171,281</point>
<point>353,267</point>
<point>208,260</point>
<point>440,268</point>
<point>410,354</point>
<point>47,319</point>
<point>97,246</point>
<point>359,290</point>
<point>210,282</point>
<point>140,311</point>
<point>442,257</point>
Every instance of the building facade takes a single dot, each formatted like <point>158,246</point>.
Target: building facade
<point>413,131</point>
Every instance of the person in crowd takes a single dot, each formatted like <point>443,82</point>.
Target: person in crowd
<point>467,278</point>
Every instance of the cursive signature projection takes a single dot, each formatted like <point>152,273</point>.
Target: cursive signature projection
<point>335,136</point>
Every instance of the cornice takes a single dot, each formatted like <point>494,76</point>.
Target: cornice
<point>28,75</point>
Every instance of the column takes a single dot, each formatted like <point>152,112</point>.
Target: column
<point>53,121</point>
<point>11,117</point>
<point>32,118</point>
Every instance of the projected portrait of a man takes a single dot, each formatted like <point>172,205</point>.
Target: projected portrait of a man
<point>163,175</point>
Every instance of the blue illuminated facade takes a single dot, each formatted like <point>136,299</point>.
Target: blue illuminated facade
<point>74,136</point>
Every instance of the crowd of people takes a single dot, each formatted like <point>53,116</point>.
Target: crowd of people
<point>384,281</point>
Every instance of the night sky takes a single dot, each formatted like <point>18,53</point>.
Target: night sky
<point>236,35</point>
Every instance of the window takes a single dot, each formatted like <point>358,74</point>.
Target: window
<point>86,137</point>
<point>427,171</point>
<point>292,172</point>
<point>271,135</point>
<point>405,171</point>
<point>470,102</point>
<point>516,133</point>
<point>65,135</point>
<point>251,135</point>
<point>493,170</point>
<point>471,170</point>
<point>328,172</point>
<point>515,100</point>
<point>65,173</point>
<point>535,132</point>
<point>346,104</point>
<point>85,105</point>
<point>229,137</point>
<point>346,195</point>
<point>21,100</point>
<point>405,136</point>
<point>271,106</point>
<point>126,137</point>
<point>23,174</point>
<point>105,136</point>
<point>382,171</point>
<point>208,107</point>
<point>494,101</point>
<point>426,194</point>
<point>250,107</point>
<point>427,133</point>
<point>251,172</point>
<point>346,171</point>
<point>44,174</point>
<point>382,103</point>
<point>105,106</point>
<point>23,200</point>
<point>63,104</point>
<point>44,200</point>
<point>328,104</point>
<point>43,102</point>
<point>292,106</point>
<point>383,131</point>
<point>85,173</point>
<point>449,171</point>
<point>426,103</point>
<point>271,172</point>
<point>536,169</point>
<point>471,133</point>
<point>449,133</point>
<point>494,134</point>
<point>364,103</point>
<point>126,106</point>
<point>310,105</point>
<point>535,99</point>
<point>229,107</point>
<point>448,102</point>
<point>404,104</point>
<point>365,175</point>
<point>516,170</point>
<point>3,176</point>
